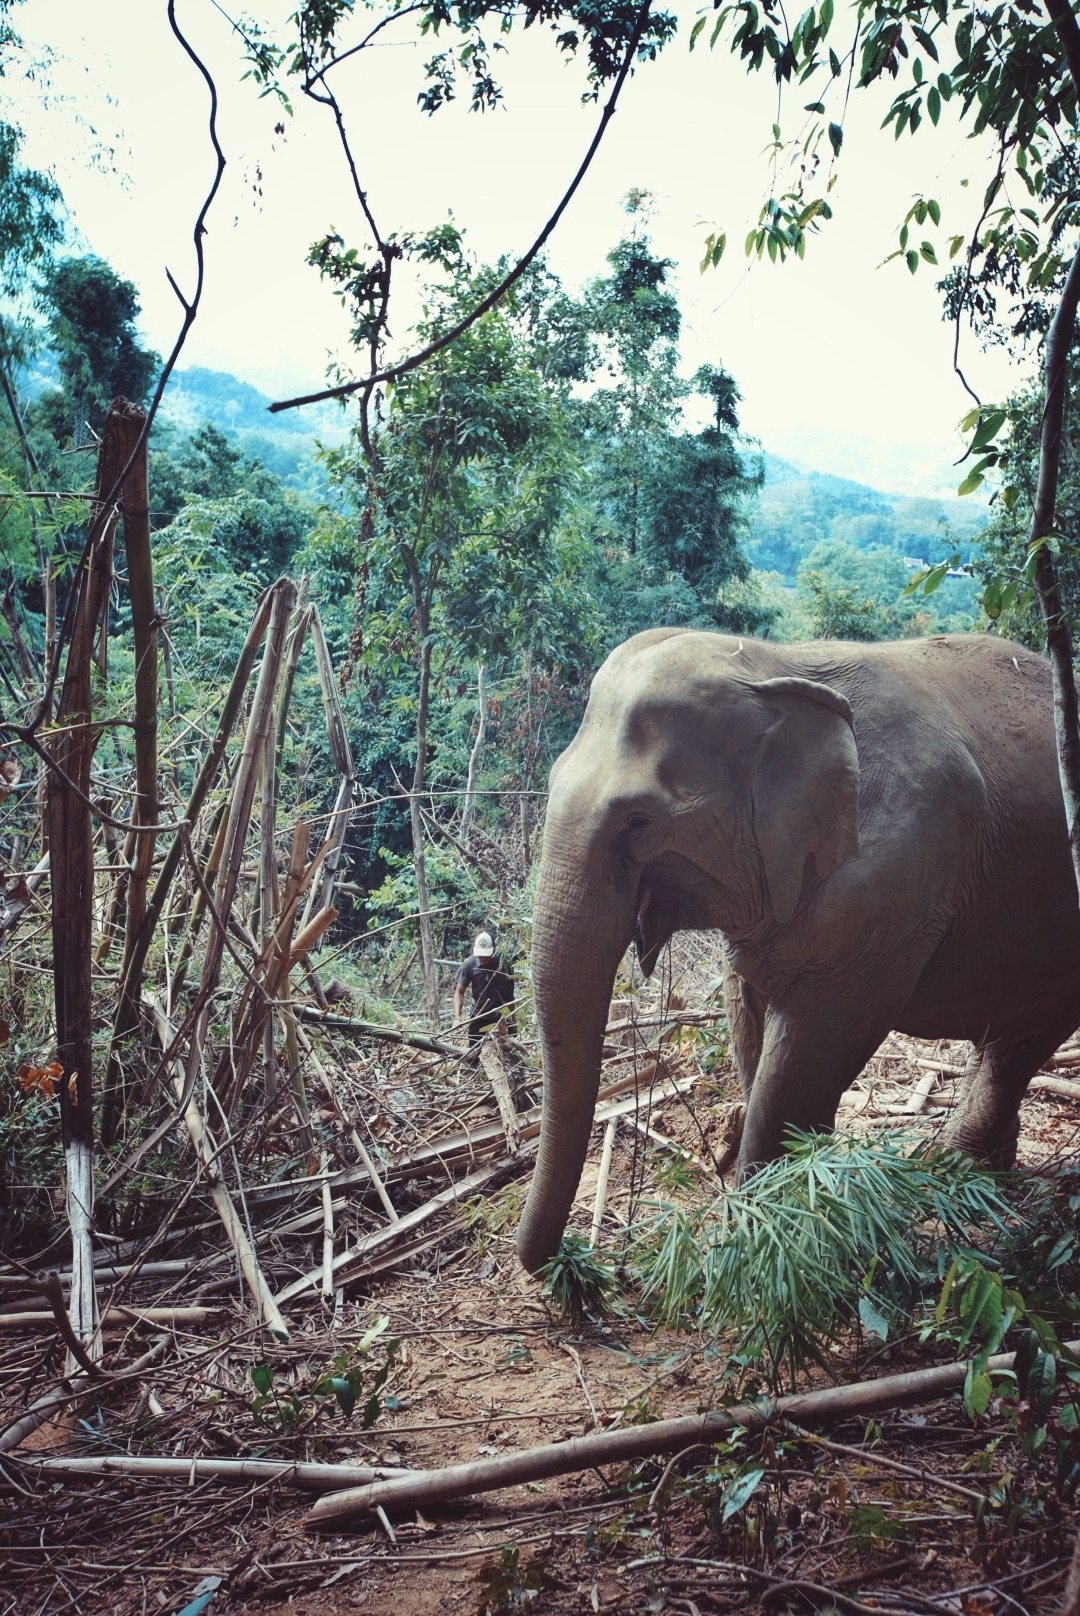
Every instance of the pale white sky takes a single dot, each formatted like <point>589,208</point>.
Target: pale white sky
<point>833,345</point>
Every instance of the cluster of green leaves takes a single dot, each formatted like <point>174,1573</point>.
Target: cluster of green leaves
<point>509,1585</point>
<point>350,1384</point>
<point>834,1231</point>
<point>578,1281</point>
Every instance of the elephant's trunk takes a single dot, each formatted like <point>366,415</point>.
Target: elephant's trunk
<point>583,923</point>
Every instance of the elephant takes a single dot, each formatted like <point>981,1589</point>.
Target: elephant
<point>877,831</point>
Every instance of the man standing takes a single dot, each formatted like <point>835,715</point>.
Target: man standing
<point>492,989</point>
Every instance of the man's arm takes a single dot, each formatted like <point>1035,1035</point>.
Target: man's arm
<point>459,1000</point>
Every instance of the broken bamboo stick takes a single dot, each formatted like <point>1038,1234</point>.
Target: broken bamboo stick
<point>34,1318</point>
<point>602,1180</point>
<point>310,1475</point>
<point>491,1061</point>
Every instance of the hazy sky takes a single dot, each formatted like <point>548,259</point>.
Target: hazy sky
<point>835,343</point>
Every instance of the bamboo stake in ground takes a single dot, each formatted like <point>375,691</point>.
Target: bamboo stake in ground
<point>72,879</point>
<point>602,1180</point>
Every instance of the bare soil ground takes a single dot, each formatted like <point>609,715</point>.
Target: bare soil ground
<point>483,1368</point>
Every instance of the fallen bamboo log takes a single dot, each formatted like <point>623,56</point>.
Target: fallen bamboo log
<point>34,1318</point>
<point>311,1476</point>
<point>492,1062</point>
<point>1056,1085</point>
<point>1048,1085</point>
<point>428,1487</point>
<point>371,1029</point>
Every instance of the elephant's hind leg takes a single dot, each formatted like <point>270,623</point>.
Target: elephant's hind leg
<point>746,1024</point>
<point>986,1122</point>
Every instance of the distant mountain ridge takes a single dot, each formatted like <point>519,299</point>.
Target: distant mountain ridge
<point>198,394</point>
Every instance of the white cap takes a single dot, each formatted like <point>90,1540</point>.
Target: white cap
<point>482,946</point>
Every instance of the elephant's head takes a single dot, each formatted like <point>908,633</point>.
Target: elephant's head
<point>692,796</point>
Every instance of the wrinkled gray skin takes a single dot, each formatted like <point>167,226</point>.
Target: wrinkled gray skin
<point>878,832</point>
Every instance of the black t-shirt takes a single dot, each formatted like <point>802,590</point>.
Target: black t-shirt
<point>491,987</point>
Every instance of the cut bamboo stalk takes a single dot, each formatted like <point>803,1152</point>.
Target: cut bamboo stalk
<point>921,1093</point>
<point>311,1476</point>
<point>34,1318</point>
<point>269,898</point>
<point>822,1407</point>
<point>103,1271</point>
<point>491,1061</point>
<point>283,595</point>
<point>136,530</point>
<point>328,1235</point>
<point>72,876</point>
<point>338,738</point>
<point>300,620</point>
<point>209,1156</point>
<point>602,1181</point>
<point>126,1019</point>
<point>940,1066</point>
<point>1056,1085</point>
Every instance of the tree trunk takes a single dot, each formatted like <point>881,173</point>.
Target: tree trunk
<point>477,749</point>
<point>1059,638</point>
<point>427,945</point>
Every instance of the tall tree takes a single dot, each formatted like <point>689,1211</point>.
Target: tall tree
<point>462,490</point>
<point>91,316</point>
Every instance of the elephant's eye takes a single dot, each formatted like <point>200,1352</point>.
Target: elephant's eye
<point>637,822</point>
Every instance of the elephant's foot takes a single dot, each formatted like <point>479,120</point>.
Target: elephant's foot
<point>728,1138</point>
<point>994,1148</point>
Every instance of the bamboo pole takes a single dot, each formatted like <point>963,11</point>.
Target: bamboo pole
<point>822,1407</point>
<point>312,1476</point>
<point>341,752</point>
<point>602,1180</point>
<point>72,878</point>
<point>126,1019</point>
<point>328,1233</point>
<point>136,530</point>
<point>117,1317</point>
<point>209,1155</point>
<point>282,596</point>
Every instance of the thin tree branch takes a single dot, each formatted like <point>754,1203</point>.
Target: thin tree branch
<point>495,296</point>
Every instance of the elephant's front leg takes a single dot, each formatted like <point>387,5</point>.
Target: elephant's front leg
<point>809,1056</point>
<point>745,1008</point>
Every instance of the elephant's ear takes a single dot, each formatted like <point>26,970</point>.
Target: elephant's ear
<point>805,787</point>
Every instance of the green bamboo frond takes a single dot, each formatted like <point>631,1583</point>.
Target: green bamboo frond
<point>784,1262</point>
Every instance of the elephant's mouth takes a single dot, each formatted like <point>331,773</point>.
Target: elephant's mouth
<point>675,895</point>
